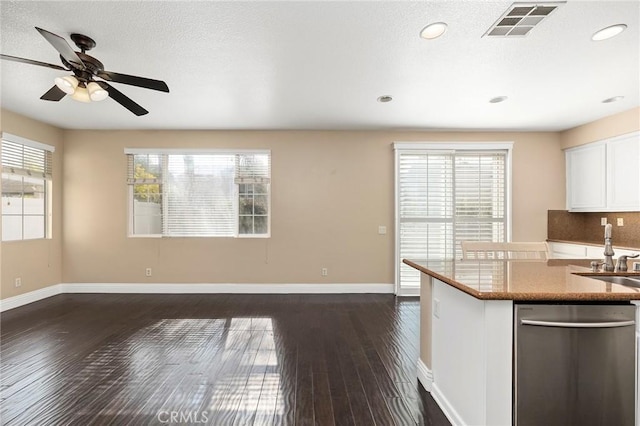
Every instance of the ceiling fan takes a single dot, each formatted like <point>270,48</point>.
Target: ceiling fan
<point>82,85</point>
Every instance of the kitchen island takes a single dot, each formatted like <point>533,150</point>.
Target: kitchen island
<point>467,327</point>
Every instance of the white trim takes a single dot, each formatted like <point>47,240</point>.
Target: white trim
<point>30,297</point>
<point>226,288</point>
<point>425,376</point>
<point>605,140</point>
<point>28,142</point>
<point>204,288</point>
<point>446,407</point>
<point>509,192</point>
<point>447,147</point>
<point>453,146</point>
<point>396,224</point>
<point>161,151</point>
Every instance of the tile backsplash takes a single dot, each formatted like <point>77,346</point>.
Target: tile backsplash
<point>586,228</point>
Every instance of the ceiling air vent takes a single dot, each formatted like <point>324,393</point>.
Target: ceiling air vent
<point>520,19</point>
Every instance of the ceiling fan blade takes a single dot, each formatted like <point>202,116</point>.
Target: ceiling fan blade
<point>61,45</point>
<point>122,99</point>
<point>54,94</point>
<point>32,62</point>
<point>133,80</point>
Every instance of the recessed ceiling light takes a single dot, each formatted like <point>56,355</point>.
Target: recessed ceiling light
<point>498,99</point>
<point>614,99</point>
<point>434,30</point>
<point>385,98</point>
<point>608,32</point>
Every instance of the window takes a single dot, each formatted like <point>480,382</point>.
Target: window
<point>26,189</point>
<point>445,197</point>
<point>199,194</point>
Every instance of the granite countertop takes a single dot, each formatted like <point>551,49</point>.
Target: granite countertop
<point>527,280</point>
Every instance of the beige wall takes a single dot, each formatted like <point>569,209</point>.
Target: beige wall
<point>614,125</point>
<point>331,191</point>
<point>37,262</point>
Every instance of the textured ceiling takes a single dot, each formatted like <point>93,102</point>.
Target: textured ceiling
<point>321,65</point>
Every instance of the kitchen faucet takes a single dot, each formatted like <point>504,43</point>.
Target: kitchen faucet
<point>608,250</point>
<point>621,265</point>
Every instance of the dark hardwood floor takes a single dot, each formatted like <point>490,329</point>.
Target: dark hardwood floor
<point>213,359</point>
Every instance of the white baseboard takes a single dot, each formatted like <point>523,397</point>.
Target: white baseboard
<point>223,288</point>
<point>425,376</point>
<point>446,407</point>
<point>30,297</point>
<point>204,288</point>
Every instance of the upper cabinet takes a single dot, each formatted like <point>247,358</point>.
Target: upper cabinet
<point>623,173</point>
<point>586,177</point>
<point>604,176</point>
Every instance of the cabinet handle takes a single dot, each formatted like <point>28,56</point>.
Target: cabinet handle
<point>577,324</point>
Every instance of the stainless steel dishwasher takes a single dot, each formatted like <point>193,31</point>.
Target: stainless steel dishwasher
<point>574,365</point>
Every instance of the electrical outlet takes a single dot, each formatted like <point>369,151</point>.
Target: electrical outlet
<point>620,221</point>
<point>18,282</point>
<point>603,221</point>
<point>382,230</point>
<point>324,272</point>
<point>436,308</point>
<point>147,272</point>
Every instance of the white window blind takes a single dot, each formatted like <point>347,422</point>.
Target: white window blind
<point>200,195</point>
<point>27,169</point>
<point>445,197</point>
<point>210,194</point>
<point>18,158</point>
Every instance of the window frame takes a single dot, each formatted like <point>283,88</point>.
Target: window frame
<point>46,175</point>
<point>446,148</point>
<point>164,152</point>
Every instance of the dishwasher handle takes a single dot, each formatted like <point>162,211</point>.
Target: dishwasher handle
<point>611,324</point>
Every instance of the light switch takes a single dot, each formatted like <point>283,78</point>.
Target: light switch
<point>603,221</point>
<point>382,230</point>
<point>620,221</point>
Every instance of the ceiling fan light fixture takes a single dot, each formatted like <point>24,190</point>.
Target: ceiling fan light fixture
<point>67,84</point>
<point>81,94</point>
<point>96,92</point>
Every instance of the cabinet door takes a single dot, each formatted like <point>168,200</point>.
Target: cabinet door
<point>586,178</point>
<point>595,252</point>
<point>567,251</point>
<point>623,173</point>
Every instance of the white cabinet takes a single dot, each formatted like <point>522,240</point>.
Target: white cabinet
<point>605,175</point>
<point>472,353</point>
<point>567,251</point>
<point>623,173</point>
<point>584,251</point>
<point>596,252</point>
<point>586,177</point>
